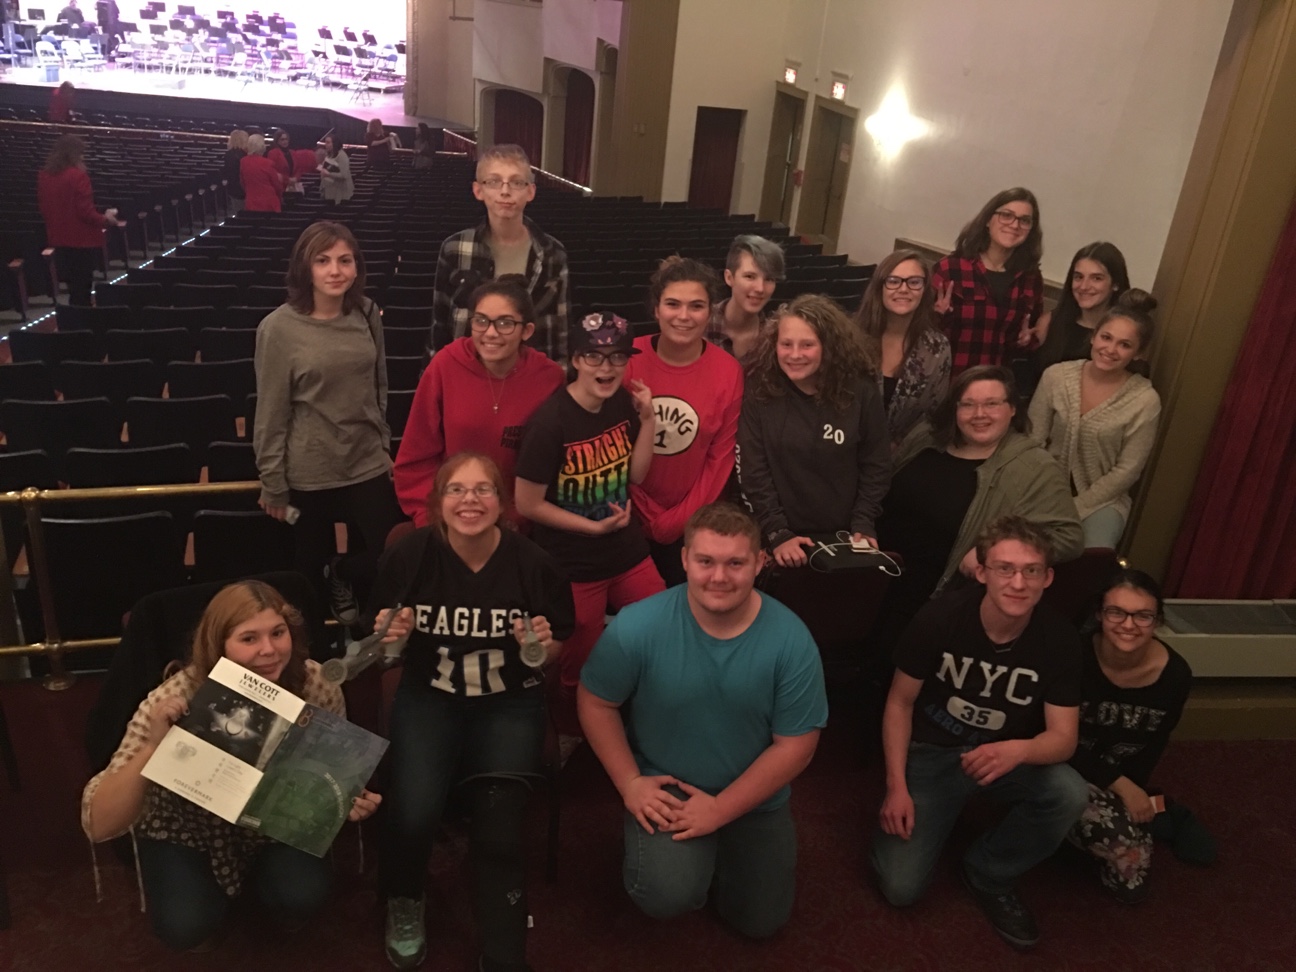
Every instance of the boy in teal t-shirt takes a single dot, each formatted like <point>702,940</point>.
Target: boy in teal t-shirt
<point>722,694</point>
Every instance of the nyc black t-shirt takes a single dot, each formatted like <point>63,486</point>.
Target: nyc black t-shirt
<point>583,460</point>
<point>975,691</point>
<point>462,642</point>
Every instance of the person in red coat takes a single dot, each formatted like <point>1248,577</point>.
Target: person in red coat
<point>263,186</point>
<point>72,224</point>
<point>60,107</point>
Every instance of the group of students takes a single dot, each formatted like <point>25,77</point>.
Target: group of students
<point>900,428</point>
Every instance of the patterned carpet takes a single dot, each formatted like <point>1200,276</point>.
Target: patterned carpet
<point>1237,915</point>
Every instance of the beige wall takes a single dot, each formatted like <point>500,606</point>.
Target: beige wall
<point>440,61</point>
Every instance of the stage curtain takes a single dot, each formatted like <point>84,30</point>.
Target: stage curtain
<point>715,153</point>
<point>1237,537</point>
<point>519,119</point>
<point>578,128</point>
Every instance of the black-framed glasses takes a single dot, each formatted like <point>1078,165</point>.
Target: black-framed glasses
<point>481,490</point>
<point>910,283</point>
<point>1115,615</point>
<point>502,325</point>
<point>990,405</point>
<point>1031,572</point>
<point>595,359</point>
<point>1007,217</point>
<point>496,184</point>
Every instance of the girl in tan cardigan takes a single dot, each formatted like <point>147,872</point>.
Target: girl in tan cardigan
<point>1099,419</point>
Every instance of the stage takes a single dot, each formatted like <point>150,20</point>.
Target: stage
<point>119,88</point>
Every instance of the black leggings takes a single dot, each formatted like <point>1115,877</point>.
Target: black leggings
<point>76,266</point>
<point>369,509</point>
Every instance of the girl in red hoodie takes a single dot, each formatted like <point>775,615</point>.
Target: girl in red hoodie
<point>477,394</point>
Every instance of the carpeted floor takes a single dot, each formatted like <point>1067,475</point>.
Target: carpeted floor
<point>1238,915</point>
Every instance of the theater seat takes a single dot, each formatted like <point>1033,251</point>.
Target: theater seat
<point>113,380</point>
<point>56,427</point>
<point>195,421</point>
<point>232,544</point>
<point>28,380</point>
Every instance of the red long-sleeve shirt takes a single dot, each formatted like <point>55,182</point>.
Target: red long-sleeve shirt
<point>67,205</point>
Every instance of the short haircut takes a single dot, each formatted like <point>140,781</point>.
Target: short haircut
<point>506,152</point>
<point>319,238</point>
<point>944,417</point>
<point>1014,527</point>
<point>725,518</point>
<point>256,144</point>
<point>512,287</point>
<point>678,269</point>
<point>766,254</point>
<point>447,472</point>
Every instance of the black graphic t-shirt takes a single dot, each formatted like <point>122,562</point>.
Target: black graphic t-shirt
<point>975,691</point>
<point>462,642</point>
<point>583,459</point>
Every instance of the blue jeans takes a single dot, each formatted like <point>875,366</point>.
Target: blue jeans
<point>491,743</point>
<point>1103,528</point>
<point>1046,802</point>
<point>752,860</point>
<point>187,907</point>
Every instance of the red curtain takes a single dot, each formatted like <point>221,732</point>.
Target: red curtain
<point>578,128</point>
<point>519,120</point>
<point>715,154</point>
<point>1237,538</point>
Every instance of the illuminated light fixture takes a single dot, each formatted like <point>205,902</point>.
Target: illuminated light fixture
<point>790,75</point>
<point>839,90</point>
<point>892,125</point>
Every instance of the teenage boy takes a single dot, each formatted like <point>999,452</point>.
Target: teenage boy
<point>752,269</point>
<point>722,692</point>
<point>506,242</point>
<point>985,698</point>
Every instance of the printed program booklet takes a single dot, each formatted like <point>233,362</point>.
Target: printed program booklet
<point>258,756</point>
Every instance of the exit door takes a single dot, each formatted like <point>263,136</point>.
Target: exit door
<point>827,170</point>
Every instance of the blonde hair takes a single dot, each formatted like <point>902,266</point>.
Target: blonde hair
<point>256,145</point>
<point>238,139</point>
<point>507,152</point>
<point>234,605</point>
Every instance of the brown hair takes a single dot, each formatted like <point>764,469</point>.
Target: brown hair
<point>725,518</point>
<point>1135,306</point>
<point>234,605</point>
<point>871,317</point>
<point>1014,527</point>
<point>67,152</point>
<point>512,287</point>
<point>974,238</point>
<point>678,269</point>
<point>944,417</point>
<point>446,472</point>
<point>845,358</point>
<point>375,128</point>
<point>319,238</point>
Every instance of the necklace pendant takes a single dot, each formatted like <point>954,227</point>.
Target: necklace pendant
<point>495,408</point>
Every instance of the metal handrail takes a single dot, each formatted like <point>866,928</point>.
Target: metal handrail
<point>32,500</point>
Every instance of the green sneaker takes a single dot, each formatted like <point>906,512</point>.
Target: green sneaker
<point>406,940</point>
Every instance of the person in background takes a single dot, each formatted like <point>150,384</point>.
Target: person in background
<point>1094,282</point>
<point>581,451</point>
<point>899,324</point>
<point>61,100</point>
<point>192,864</point>
<point>336,184</point>
<point>424,147</point>
<point>321,437</point>
<point>1099,418</point>
<point>263,186</point>
<point>379,143</point>
<point>469,714</point>
<point>697,398</point>
<point>280,153</point>
<point>72,224</point>
<point>235,152</point>
<point>985,699</point>
<point>814,456</point>
<point>505,243</point>
<point>703,704</point>
<point>71,14</point>
<point>1133,692</point>
<point>989,290</point>
<point>752,269</point>
<point>477,393</point>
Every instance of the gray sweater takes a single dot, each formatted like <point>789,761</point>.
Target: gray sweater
<point>321,402</point>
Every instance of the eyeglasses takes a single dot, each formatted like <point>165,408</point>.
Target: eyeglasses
<point>911,283</point>
<point>1115,615</point>
<point>496,184</point>
<point>991,405</point>
<point>595,359</point>
<point>1007,217</point>
<point>1031,572</point>
<point>481,491</point>
<point>502,325</point>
